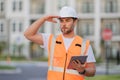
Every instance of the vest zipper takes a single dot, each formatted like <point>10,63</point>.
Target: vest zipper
<point>65,67</point>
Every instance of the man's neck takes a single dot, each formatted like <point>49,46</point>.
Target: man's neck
<point>70,35</point>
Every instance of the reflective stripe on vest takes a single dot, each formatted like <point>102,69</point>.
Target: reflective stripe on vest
<point>52,52</point>
<point>83,47</point>
<point>70,71</point>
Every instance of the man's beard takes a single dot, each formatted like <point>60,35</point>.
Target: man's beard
<point>64,31</point>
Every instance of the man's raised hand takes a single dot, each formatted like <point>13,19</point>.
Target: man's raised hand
<point>51,18</point>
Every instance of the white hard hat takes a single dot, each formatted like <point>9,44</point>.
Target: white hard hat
<point>68,12</point>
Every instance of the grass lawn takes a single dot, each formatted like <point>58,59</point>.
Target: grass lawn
<point>4,67</point>
<point>13,58</point>
<point>104,77</point>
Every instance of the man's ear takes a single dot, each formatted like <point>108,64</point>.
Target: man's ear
<point>75,21</point>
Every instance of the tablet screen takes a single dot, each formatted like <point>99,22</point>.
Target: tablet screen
<point>82,59</point>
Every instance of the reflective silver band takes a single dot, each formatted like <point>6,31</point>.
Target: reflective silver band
<point>83,47</point>
<point>52,51</point>
<point>59,69</point>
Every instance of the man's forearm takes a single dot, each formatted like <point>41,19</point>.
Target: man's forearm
<point>32,30</point>
<point>90,72</point>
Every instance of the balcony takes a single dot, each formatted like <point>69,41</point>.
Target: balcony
<point>110,15</point>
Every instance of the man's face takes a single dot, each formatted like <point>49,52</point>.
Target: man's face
<point>67,25</point>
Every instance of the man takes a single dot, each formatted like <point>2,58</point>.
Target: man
<point>64,47</point>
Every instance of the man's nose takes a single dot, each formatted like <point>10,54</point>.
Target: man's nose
<point>63,23</point>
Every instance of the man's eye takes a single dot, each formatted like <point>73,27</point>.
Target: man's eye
<point>61,20</point>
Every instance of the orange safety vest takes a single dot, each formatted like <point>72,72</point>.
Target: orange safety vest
<point>61,59</point>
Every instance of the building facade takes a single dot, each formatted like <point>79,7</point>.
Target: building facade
<point>94,16</point>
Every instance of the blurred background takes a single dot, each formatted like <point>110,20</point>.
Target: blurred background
<point>95,16</point>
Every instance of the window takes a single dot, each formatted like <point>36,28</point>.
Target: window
<point>17,5</point>
<point>20,27</point>
<point>87,29</point>
<point>14,27</point>
<point>1,5</point>
<point>111,6</point>
<point>87,7</point>
<point>17,26</point>
<point>14,6</point>
<point>37,6</point>
<point>113,26</point>
<point>2,28</point>
<point>20,5</point>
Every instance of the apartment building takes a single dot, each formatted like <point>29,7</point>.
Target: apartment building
<point>95,15</point>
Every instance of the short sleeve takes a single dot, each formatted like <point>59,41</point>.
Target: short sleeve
<point>45,41</point>
<point>91,57</point>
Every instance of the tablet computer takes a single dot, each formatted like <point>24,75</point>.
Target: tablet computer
<point>82,59</point>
